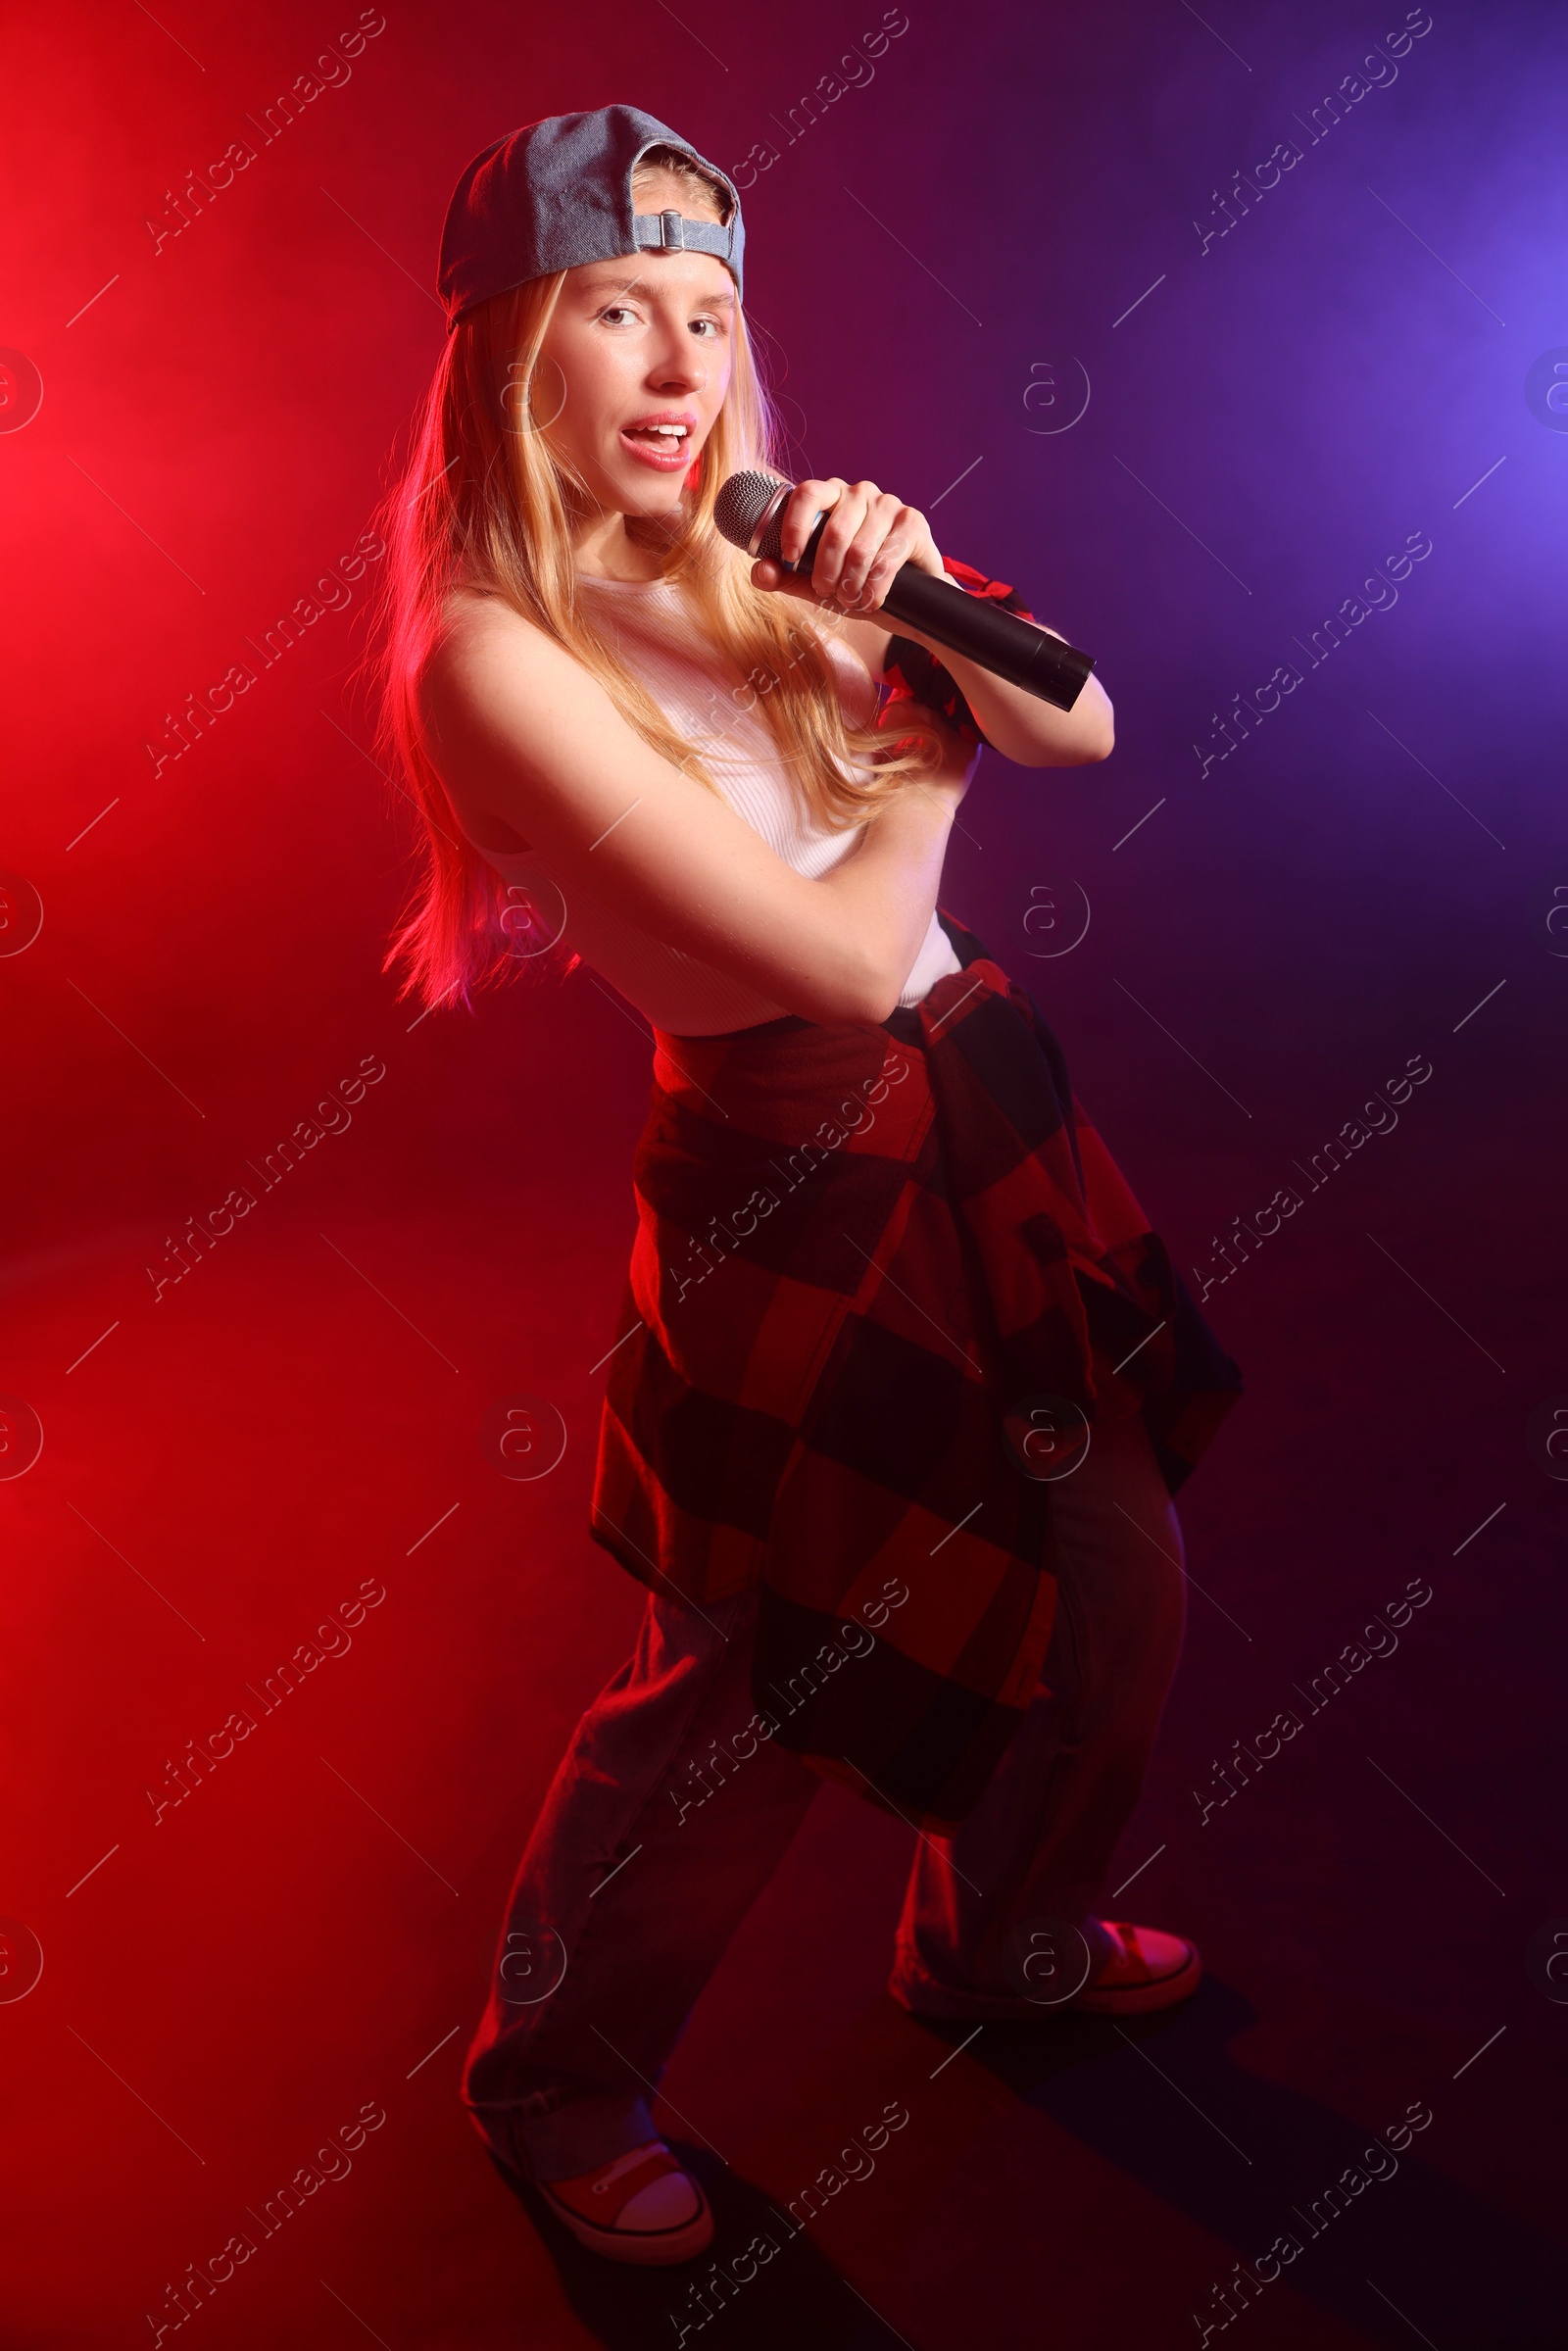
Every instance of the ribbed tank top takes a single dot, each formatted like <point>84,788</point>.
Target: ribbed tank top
<point>658,636</point>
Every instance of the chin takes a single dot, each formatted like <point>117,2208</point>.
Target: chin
<point>657,503</point>
<point>654,501</point>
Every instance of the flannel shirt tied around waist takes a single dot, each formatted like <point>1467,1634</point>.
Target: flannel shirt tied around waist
<point>885,1280</point>
<point>881,1279</point>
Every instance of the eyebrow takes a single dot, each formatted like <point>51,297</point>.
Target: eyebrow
<point>641,285</point>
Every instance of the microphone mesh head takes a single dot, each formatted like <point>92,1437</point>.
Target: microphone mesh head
<point>741,505</point>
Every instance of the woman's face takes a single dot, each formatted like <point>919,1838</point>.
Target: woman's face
<point>634,367</point>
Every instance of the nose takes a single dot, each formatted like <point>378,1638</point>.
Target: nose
<point>678,375</point>
<point>678,363</point>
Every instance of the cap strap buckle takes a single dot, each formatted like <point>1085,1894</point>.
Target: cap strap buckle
<point>674,233</point>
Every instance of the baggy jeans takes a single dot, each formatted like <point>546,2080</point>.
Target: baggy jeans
<point>666,1818</point>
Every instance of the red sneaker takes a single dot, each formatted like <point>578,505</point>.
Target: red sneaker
<point>1147,1969</point>
<point>641,2207</point>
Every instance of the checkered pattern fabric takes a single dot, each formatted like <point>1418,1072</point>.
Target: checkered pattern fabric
<point>885,1278</point>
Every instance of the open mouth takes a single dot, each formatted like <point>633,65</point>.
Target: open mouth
<point>666,447</point>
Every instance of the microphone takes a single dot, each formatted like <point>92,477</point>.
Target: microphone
<point>748,511</point>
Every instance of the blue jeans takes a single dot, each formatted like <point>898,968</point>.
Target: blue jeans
<point>667,1816</point>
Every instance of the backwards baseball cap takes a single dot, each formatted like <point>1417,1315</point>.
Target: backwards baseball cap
<point>557,194</point>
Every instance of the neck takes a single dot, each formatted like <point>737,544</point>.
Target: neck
<point>605,550</point>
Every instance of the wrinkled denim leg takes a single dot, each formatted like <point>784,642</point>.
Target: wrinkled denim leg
<point>1038,1843</point>
<point>637,1874</point>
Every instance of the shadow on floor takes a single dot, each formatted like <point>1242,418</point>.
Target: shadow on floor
<point>1262,2167</point>
<point>1260,2170</point>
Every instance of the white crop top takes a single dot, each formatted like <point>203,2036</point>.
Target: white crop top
<point>659,637</point>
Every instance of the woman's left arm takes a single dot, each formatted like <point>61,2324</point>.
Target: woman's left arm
<point>869,535</point>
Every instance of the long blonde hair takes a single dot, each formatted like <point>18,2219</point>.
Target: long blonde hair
<point>484,503</point>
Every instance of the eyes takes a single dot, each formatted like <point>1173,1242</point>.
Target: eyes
<point>620,316</point>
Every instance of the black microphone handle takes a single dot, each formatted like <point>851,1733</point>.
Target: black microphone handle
<point>977,627</point>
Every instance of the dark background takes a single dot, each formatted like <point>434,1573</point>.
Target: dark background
<point>1009,203</point>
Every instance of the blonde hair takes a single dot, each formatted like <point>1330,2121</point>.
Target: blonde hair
<point>484,503</point>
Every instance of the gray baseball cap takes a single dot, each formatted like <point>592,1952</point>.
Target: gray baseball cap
<point>558,193</point>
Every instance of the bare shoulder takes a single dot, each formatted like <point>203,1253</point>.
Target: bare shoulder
<point>476,626</point>
<point>488,678</point>
<point>487,659</point>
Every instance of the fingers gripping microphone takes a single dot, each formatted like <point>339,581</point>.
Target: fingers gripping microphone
<point>748,511</point>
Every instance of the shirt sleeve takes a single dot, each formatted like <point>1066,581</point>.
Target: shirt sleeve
<point>911,674</point>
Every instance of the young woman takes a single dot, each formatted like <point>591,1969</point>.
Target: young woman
<point>905,1383</point>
